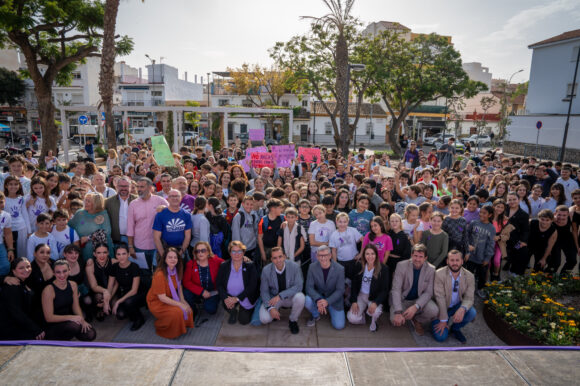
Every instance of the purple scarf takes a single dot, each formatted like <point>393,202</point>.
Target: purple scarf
<point>175,292</point>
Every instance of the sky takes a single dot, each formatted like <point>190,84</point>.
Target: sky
<point>204,36</point>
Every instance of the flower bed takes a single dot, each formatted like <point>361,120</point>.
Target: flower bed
<point>542,307</point>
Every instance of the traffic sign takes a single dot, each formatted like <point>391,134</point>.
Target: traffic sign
<point>539,125</point>
<point>83,120</point>
<point>102,115</point>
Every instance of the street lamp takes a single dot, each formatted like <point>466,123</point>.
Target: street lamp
<point>569,99</point>
<point>354,67</point>
<point>208,113</point>
<point>151,87</point>
<point>505,98</point>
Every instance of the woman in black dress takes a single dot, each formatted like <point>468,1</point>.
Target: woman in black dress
<point>62,312</point>
<point>18,319</point>
<point>124,281</point>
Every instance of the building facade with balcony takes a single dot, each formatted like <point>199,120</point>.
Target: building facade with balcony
<point>550,90</point>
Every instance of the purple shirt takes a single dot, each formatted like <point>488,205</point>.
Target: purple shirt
<point>236,286</point>
<point>470,216</point>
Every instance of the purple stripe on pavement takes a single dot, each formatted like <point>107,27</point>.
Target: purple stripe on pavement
<point>272,349</point>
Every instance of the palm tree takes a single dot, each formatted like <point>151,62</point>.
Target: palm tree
<point>107,69</point>
<point>339,18</point>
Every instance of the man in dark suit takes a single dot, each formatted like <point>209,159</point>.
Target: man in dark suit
<point>454,289</point>
<point>281,286</point>
<point>325,289</point>
<point>412,291</point>
<point>117,207</point>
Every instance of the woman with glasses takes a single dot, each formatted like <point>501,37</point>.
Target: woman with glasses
<point>165,298</point>
<point>200,278</point>
<point>237,283</point>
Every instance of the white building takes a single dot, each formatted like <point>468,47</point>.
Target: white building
<point>554,61</point>
<point>477,72</point>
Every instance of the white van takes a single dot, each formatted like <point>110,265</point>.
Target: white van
<point>140,134</point>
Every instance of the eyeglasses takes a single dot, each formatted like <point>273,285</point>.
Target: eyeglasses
<point>237,252</point>
<point>325,255</point>
<point>201,250</point>
<point>456,286</point>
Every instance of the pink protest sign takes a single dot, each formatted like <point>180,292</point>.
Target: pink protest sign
<point>309,155</point>
<point>257,149</point>
<point>256,134</point>
<point>262,160</point>
<point>283,154</point>
<point>244,163</point>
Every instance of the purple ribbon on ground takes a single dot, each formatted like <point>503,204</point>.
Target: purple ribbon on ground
<point>273,349</point>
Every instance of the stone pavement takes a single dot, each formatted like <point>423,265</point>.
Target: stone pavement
<point>35,365</point>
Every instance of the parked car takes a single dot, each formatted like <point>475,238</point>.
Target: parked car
<point>140,134</point>
<point>437,138</point>
<point>481,140</point>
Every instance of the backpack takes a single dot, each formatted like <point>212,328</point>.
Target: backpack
<point>266,221</point>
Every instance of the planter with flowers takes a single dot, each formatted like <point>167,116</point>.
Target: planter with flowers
<point>539,309</point>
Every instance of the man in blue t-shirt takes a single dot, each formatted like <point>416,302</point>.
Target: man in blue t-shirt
<point>172,226</point>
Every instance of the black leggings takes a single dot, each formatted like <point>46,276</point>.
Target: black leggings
<point>554,260</point>
<point>69,330</point>
<point>131,308</point>
<point>520,258</point>
<point>479,271</point>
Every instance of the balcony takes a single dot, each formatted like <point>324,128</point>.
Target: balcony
<point>147,102</point>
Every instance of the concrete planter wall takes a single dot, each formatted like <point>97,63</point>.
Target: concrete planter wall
<point>505,331</point>
<point>542,151</point>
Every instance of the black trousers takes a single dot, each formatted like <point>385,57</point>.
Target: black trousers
<point>555,259</point>
<point>69,330</point>
<point>244,316</point>
<point>479,271</point>
<point>131,308</point>
<point>520,258</point>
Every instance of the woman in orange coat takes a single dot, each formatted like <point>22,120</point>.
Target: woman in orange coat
<point>165,298</point>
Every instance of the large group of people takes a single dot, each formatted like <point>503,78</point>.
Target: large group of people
<point>349,237</point>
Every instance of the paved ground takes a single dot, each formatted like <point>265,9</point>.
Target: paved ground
<point>106,366</point>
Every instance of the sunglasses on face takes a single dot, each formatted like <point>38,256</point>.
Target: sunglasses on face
<point>456,286</point>
<point>201,250</point>
<point>237,252</point>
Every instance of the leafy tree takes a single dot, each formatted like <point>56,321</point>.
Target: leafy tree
<point>406,74</point>
<point>106,80</point>
<point>321,59</point>
<point>192,117</point>
<point>486,104</point>
<point>54,36</point>
<point>505,102</point>
<point>170,133</point>
<point>12,88</point>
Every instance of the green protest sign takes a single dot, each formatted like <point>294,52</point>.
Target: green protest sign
<point>161,151</point>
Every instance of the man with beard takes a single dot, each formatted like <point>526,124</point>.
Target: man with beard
<point>453,290</point>
<point>117,207</point>
<point>140,218</point>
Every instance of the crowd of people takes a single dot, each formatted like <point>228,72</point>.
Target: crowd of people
<point>349,237</point>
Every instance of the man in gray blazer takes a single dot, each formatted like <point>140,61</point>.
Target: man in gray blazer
<point>454,289</point>
<point>412,291</point>
<point>117,207</point>
<point>325,289</point>
<point>281,287</point>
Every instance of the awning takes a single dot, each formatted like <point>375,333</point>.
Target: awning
<point>4,128</point>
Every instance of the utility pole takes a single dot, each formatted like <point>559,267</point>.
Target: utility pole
<point>570,98</point>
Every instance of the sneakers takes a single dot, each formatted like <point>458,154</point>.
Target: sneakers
<point>374,326</point>
<point>459,336</point>
<point>312,321</point>
<point>481,293</point>
<point>294,329</point>
<point>418,328</point>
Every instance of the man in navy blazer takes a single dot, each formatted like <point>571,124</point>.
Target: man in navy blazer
<point>281,286</point>
<point>325,289</point>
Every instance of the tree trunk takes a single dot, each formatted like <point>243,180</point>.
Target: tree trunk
<point>394,137</point>
<point>47,125</point>
<point>107,70</point>
<point>341,90</point>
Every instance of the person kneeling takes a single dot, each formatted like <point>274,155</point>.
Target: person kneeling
<point>165,297</point>
<point>454,289</point>
<point>281,286</point>
<point>370,288</point>
<point>412,291</point>
<point>325,289</point>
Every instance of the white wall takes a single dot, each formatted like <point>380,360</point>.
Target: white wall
<point>552,69</point>
<point>523,129</point>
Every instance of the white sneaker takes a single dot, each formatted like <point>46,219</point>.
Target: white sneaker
<point>312,321</point>
<point>373,326</point>
<point>481,293</point>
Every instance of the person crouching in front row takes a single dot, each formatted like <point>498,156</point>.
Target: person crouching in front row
<point>281,286</point>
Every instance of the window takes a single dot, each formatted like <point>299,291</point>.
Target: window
<point>223,102</point>
<point>156,93</point>
<point>304,103</point>
<point>76,75</point>
<point>328,128</point>
<point>569,90</point>
<point>247,103</point>
<point>285,103</point>
<point>243,128</point>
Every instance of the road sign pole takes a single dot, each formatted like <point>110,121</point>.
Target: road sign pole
<point>538,126</point>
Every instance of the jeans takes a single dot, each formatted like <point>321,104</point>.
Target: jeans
<point>337,318</point>
<point>210,304</point>
<point>4,263</point>
<point>149,256</point>
<point>467,318</point>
